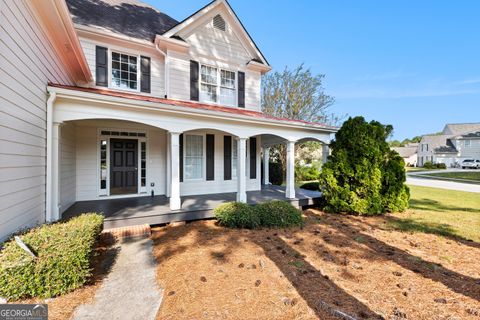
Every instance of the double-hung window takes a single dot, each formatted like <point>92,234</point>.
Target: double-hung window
<point>193,157</point>
<point>124,71</point>
<point>217,86</point>
<point>468,143</point>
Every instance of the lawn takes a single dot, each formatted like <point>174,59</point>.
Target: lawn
<point>470,176</point>
<point>444,212</point>
<point>415,265</point>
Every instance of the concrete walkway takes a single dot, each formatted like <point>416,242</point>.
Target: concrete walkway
<point>130,290</point>
<point>417,180</point>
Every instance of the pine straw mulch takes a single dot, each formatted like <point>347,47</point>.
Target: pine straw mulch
<point>348,264</point>
<point>63,307</point>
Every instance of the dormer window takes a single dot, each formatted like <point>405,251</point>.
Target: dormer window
<point>124,71</point>
<point>217,86</point>
<point>219,22</point>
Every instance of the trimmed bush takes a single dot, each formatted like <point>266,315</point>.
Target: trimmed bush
<point>277,213</point>
<point>63,251</point>
<point>237,215</point>
<point>273,213</point>
<point>314,185</point>
<point>430,165</point>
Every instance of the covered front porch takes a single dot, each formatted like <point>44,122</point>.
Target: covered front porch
<point>156,210</point>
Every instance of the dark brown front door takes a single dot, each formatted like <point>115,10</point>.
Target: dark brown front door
<point>123,166</point>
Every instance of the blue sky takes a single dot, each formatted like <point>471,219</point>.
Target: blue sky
<point>412,64</point>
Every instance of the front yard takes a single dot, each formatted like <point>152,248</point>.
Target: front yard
<point>364,267</point>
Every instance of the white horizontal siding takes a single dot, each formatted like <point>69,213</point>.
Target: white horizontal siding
<point>252,90</point>
<point>67,166</point>
<point>179,76</point>
<point>29,62</point>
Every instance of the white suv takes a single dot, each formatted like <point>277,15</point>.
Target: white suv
<point>470,164</point>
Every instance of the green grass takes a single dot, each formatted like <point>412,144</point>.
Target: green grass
<point>463,175</point>
<point>449,213</point>
<point>417,169</point>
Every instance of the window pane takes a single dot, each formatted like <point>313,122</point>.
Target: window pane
<point>208,93</point>
<point>124,71</point>
<point>193,157</point>
<point>103,164</point>
<point>115,56</point>
<point>209,75</point>
<point>227,96</point>
<point>227,79</point>
<point>234,157</point>
<point>143,163</point>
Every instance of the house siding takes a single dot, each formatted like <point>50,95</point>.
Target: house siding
<point>29,62</point>
<point>67,166</point>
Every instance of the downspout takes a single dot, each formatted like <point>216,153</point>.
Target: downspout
<point>49,184</point>
<point>165,59</point>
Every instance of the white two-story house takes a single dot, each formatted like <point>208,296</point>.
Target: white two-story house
<point>111,99</point>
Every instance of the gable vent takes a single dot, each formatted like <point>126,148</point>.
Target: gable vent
<point>218,22</point>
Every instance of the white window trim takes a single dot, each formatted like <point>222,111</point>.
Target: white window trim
<point>469,143</point>
<point>110,86</point>
<point>140,190</point>
<point>204,156</point>
<point>217,85</point>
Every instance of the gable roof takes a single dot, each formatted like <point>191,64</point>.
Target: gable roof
<point>406,152</point>
<point>190,19</point>
<point>461,128</point>
<point>132,18</point>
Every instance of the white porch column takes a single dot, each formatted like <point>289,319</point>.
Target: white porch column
<point>175,203</point>
<point>290,190</point>
<point>266,161</point>
<point>325,152</point>
<point>55,205</point>
<point>241,167</point>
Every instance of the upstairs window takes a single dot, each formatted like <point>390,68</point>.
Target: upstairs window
<point>124,71</point>
<point>217,86</point>
<point>468,143</point>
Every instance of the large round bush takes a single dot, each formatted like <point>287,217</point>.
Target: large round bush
<point>363,175</point>
<point>237,215</point>
<point>277,213</point>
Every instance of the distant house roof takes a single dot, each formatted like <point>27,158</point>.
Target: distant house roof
<point>439,143</point>
<point>474,134</point>
<point>406,152</point>
<point>132,18</point>
<point>460,128</point>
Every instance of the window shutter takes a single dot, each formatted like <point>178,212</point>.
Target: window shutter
<point>145,74</point>
<point>210,153</point>
<point>241,89</point>
<point>194,96</point>
<point>101,67</point>
<point>253,158</point>
<point>227,158</point>
<point>181,157</point>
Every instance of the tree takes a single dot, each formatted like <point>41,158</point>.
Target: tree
<point>363,175</point>
<point>295,94</point>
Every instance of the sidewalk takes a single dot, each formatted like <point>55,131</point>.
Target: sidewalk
<point>130,291</point>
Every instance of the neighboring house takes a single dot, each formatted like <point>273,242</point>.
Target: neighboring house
<point>127,102</point>
<point>408,153</point>
<point>455,143</point>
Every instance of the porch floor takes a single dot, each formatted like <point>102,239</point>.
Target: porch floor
<point>156,210</point>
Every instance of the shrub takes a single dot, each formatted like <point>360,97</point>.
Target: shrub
<point>304,173</point>
<point>237,215</point>
<point>63,251</point>
<point>430,165</point>
<point>275,173</point>
<point>277,213</point>
<point>362,175</point>
<point>314,185</point>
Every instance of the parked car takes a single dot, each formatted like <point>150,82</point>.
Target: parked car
<point>471,164</point>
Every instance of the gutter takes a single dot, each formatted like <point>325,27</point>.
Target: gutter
<point>166,68</point>
<point>49,182</point>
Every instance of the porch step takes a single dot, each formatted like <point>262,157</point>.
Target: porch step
<point>142,230</point>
